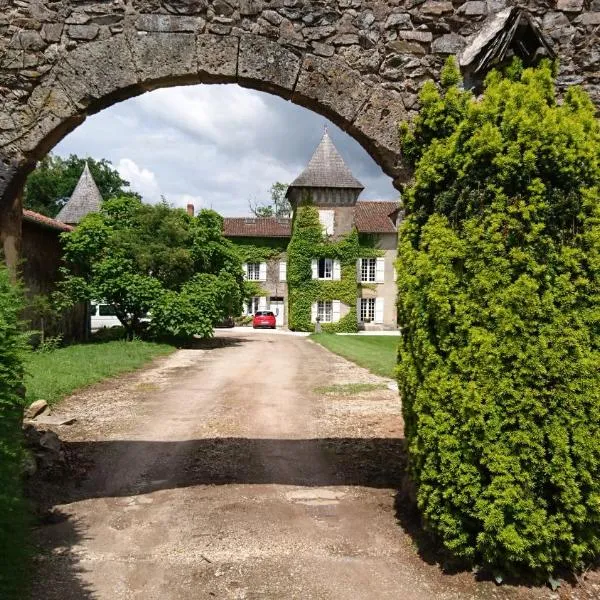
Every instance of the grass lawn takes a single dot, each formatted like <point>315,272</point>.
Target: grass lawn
<point>374,352</point>
<point>55,374</point>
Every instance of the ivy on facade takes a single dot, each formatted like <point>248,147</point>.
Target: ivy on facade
<point>308,243</point>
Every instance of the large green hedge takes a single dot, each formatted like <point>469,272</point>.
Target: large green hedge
<point>13,514</point>
<point>499,301</point>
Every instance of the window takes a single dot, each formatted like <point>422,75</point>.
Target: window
<point>252,305</point>
<point>367,269</point>
<point>325,311</point>
<point>253,271</point>
<point>325,268</point>
<point>106,310</point>
<point>367,310</point>
<point>326,219</point>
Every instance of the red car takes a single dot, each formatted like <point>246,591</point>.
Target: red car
<point>264,318</point>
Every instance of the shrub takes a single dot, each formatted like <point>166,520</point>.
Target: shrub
<point>499,281</point>
<point>13,514</point>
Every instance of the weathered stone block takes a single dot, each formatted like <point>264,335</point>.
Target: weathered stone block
<point>267,65</point>
<point>588,19</point>
<point>416,36</point>
<point>170,23</point>
<point>322,49</point>
<point>96,69</point>
<point>377,125</point>
<point>398,20</point>
<point>436,7</point>
<point>569,5</point>
<point>28,40</point>
<point>185,7</point>
<point>451,43</point>
<point>328,85</point>
<point>217,57</point>
<point>251,7</point>
<point>83,32</point>
<point>164,55</point>
<point>474,8</point>
<point>404,47</point>
<point>52,32</point>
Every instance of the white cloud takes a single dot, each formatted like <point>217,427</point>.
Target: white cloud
<point>141,180</point>
<point>217,115</point>
<point>213,145</point>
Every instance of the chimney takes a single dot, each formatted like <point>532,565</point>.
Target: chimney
<point>190,210</point>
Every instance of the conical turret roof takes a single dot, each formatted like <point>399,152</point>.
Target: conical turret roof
<point>85,199</point>
<point>327,169</point>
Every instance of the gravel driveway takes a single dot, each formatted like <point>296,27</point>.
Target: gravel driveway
<point>240,471</point>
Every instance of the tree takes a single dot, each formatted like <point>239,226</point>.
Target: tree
<point>51,184</point>
<point>499,280</point>
<point>279,206</point>
<point>142,258</point>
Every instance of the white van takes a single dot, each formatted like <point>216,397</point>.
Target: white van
<point>103,315</point>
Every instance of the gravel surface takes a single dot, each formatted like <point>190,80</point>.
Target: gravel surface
<point>226,473</point>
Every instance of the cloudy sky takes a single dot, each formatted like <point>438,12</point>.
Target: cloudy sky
<point>214,145</point>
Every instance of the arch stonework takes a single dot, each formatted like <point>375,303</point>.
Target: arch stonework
<point>358,62</point>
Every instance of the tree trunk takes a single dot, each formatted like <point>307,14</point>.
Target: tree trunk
<point>11,216</point>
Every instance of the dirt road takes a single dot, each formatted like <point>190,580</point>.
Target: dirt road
<point>241,471</point>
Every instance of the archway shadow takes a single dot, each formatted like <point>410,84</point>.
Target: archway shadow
<point>58,573</point>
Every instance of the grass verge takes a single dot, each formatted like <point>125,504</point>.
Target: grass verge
<point>349,389</point>
<point>374,352</point>
<point>53,375</point>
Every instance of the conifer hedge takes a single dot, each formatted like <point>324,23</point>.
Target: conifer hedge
<point>499,301</point>
<point>13,514</point>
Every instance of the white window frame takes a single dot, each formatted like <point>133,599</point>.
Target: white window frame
<point>368,270</point>
<point>253,271</point>
<point>327,268</point>
<point>367,310</point>
<point>325,311</point>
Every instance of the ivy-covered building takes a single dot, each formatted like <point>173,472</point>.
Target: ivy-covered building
<point>350,233</point>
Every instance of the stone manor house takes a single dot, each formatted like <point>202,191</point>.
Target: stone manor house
<point>334,191</point>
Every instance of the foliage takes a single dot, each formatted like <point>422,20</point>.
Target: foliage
<point>202,302</point>
<point>54,375</point>
<point>499,281</point>
<point>51,184</point>
<point>306,244</point>
<point>252,250</point>
<point>350,389</point>
<point>49,344</point>
<point>377,353</point>
<point>14,548</point>
<point>41,310</point>
<point>279,205</point>
<point>140,258</point>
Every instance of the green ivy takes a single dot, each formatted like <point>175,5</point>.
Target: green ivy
<point>308,243</point>
<point>256,250</point>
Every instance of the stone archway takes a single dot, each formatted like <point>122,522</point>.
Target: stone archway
<point>358,62</point>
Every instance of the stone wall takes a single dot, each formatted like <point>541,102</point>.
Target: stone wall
<point>359,62</point>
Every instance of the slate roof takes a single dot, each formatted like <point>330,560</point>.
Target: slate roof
<point>44,221</point>
<point>85,199</point>
<point>376,216</point>
<point>257,227</point>
<point>327,169</point>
